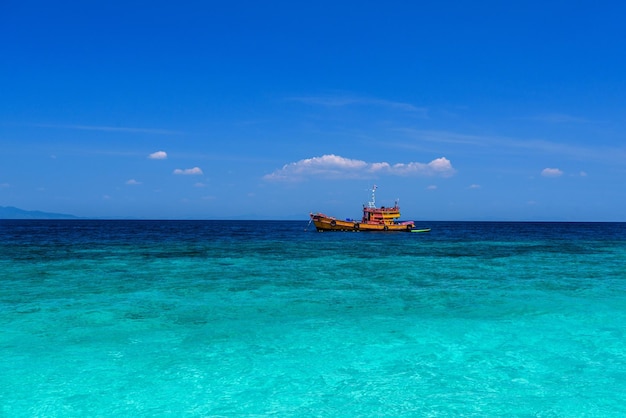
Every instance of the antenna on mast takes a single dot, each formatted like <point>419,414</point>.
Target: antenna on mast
<point>372,204</point>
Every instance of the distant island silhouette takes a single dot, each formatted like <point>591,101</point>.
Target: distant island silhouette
<point>10,212</point>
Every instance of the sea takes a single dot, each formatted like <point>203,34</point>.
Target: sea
<point>271,318</point>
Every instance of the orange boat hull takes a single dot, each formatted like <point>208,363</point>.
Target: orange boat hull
<point>327,223</point>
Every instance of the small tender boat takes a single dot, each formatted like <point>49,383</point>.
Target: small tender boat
<point>384,219</point>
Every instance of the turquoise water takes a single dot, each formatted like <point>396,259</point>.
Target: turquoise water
<point>123,318</point>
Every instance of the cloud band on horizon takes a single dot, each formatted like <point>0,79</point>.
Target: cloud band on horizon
<point>335,166</point>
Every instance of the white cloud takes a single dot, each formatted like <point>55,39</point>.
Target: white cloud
<point>133,182</point>
<point>583,174</point>
<point>188,171</point>
<point>159,155</point>
<point>474,186</point>
<point>4,185</point>
<point>551,172</point>
<point>335,166</point>
<point>431,187</point>
<point>440,166</point>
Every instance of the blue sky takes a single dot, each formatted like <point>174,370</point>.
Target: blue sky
<point>271,110</point>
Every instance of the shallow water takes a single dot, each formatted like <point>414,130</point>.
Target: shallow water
<point>216,318</point>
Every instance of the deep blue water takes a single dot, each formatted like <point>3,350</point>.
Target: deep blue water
<point>225,318</point>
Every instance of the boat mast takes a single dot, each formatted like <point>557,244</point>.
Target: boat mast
<point>372,204</point>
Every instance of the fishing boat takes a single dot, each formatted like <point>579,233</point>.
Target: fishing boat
<point>383,219</point>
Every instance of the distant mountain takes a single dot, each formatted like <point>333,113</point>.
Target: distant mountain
<point>9,212</point>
